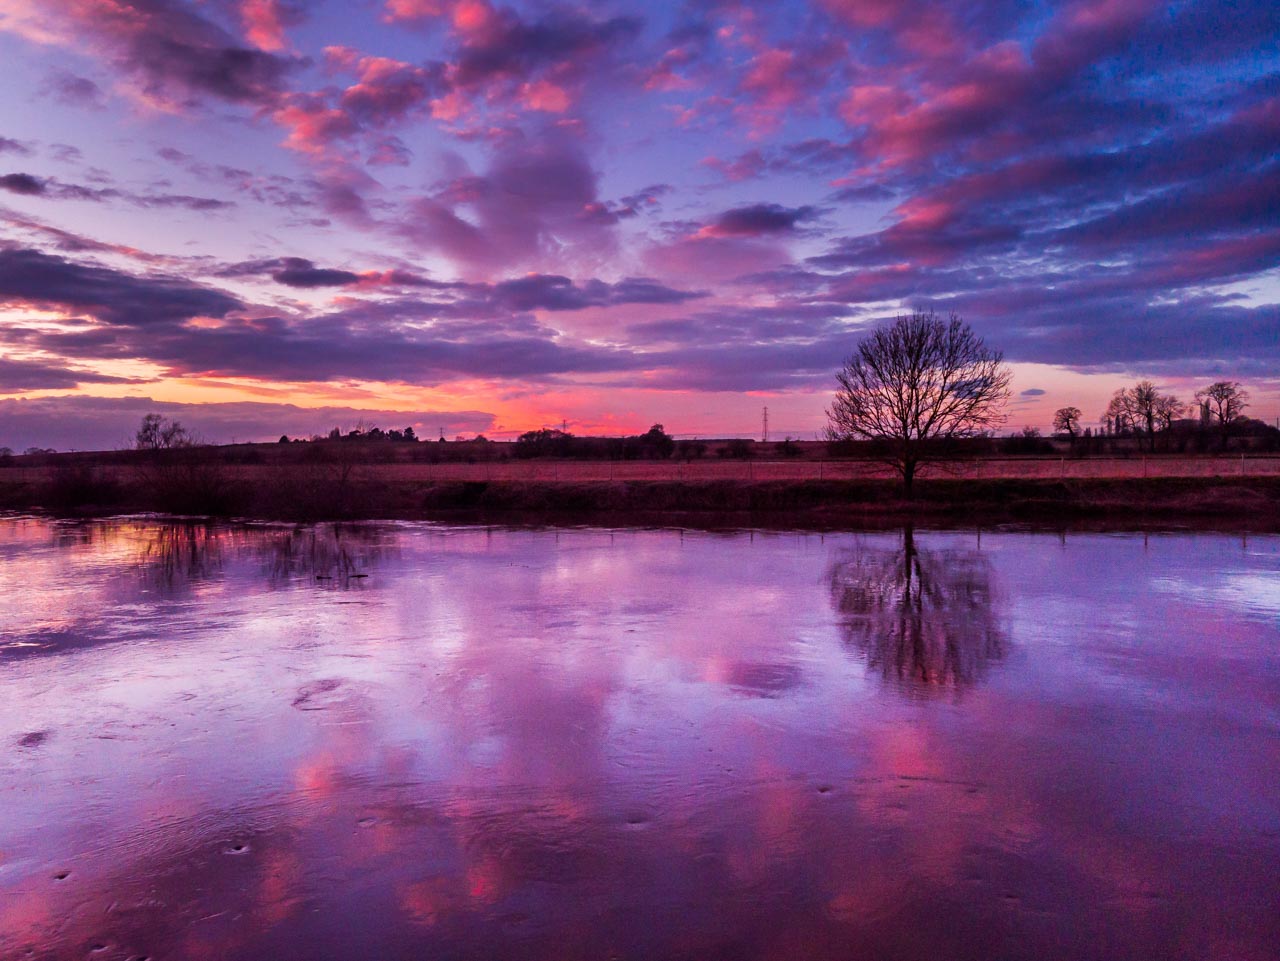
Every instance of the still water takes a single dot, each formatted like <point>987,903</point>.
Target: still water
<point>411,741</point>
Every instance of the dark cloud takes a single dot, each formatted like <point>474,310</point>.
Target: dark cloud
<point>1032,392</point>
<point>755,220</point>
<point>24,184</point>
<point>53,189</point>
<point>507,46</point>
<point>17,376</point>
<point>29,276</point>
<point>550,292</point>
<point>297,272</point>
<point>175,52</point>
<point>475,331</point>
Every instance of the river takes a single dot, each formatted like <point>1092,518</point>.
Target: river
<point>406,741</point>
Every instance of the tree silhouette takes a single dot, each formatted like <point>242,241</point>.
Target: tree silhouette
<point>1142,409</point>
<point>1225,401</point>
<point>917,383</point>
<point>1066,420</point>
<point>160,433</point>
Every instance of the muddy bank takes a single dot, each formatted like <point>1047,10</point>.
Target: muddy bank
<point>297,493</point>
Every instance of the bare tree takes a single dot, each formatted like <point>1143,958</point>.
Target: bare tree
<point>918,382</point>
<point>160,433</point>
<point>1066,420</point>
<point>1225,401</point>
<point>1142,409</point>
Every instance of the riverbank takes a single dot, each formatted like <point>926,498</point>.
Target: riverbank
<point>372,492</point>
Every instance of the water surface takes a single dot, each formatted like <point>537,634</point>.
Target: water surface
<point>409,741</point>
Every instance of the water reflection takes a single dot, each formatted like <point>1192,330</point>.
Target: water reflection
<point>172,557</point>
<point>633,744</point>
<point>176,557</point>
<point>925,619</point>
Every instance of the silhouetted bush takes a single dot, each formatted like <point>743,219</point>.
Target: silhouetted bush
<point>1026,441</point>
<point>739,449</point>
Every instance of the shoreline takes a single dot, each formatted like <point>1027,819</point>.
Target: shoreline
<point>1237,504</point>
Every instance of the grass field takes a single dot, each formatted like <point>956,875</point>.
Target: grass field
<point>583,472</point>
<point>1168,489</point>
<point>600,471</point>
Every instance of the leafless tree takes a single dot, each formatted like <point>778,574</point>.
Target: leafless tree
<point>160,433</point>
<point>1226,401</point>
<point>1142,409</point>
<point>920,381</point>
<point>1066,420</point>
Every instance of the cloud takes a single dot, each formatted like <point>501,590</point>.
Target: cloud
<point>74,91</point>
<point>171,49</point>
<point>24,184</point>
<point>296,272</point>
<point>53,189</point>
<point>549,292</point>
<point>384,92</point>
<point>500,57</point>
<point>755,220</point>
<point>265,22</point>
<point>9,145</point>
<point>1032,392</point>
<point>28,276</point>
<point>17,376</point>
<point>471,331</point>
<point>537,199</point>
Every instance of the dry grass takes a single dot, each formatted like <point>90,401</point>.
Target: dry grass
<point>698,471</point>
<point>1035,488</point>
<point>1027,468</point>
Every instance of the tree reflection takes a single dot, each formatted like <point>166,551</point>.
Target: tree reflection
<point>174,557</point>
<point>924,619</point>
<point>341,554</point>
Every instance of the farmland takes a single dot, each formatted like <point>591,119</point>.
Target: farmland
<point>348,483</point>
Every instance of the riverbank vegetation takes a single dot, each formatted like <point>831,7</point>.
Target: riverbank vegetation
<point>581,492</point>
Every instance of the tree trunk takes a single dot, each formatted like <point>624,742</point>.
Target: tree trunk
<point>908,475</point>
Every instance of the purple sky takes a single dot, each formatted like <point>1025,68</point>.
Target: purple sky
<point>269,216</point>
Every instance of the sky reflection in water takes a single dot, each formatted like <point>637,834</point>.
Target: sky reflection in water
<point>405,741</point>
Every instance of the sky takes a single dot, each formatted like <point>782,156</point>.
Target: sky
<point>280,216</point>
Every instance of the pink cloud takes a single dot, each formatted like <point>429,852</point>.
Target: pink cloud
<point>312,125</point>
<point>415,9</point>
<point>264,23</point>
<point>545,96</point>
<point>172,50</point>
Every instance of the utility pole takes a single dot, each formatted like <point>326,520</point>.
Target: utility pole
<point>764,427</point>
